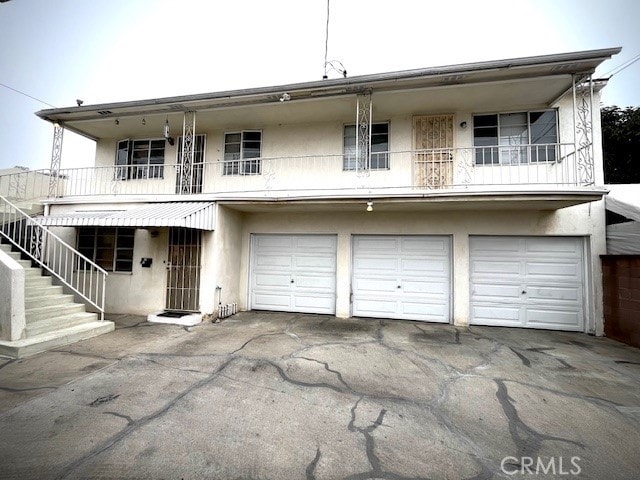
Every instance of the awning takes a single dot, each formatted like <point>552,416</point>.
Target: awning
<point>624,200</point>
<point>196,215</point>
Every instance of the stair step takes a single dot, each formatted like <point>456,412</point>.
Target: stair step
<point>35,291</point>
<point>36,281</point>
<point>47,341</point>
<point>38,314</point>
<point>32,272</point>
<point>17,256</point>
<point>47,300</point>
<point>60,323</point>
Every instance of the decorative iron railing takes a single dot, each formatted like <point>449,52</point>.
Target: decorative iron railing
<point>84,277</point>
<point>512,167</point>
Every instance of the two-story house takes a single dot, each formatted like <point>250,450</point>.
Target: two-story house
<point>464,194</point>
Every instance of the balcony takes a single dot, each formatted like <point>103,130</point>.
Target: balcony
<point>514,169</point>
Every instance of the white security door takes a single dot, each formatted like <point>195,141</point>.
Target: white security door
<point>534,282</point>
<point>294,273</point>
<point>405,277</point>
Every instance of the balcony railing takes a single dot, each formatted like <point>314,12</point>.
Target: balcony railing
<point>508,168</point>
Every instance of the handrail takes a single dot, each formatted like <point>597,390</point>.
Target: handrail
<point>54,255</point>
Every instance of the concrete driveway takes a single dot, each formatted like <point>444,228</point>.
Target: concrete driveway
<point>288,396</point>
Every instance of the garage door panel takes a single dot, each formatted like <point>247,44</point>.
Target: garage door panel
<point>423,287</point>
<point>271,301</point>
<point>432,312</point>
<point>495,268</point>
<point>561,294</point>
<point>313,302</point>
<point>315,243</point>
<point>546,291</point>
<point>375,285</point>
<point>270,261</point>
<point>422,245</point>
<point>324,263</point>
<point>272,280</point>
<point>420,265</point>
<point>326,284</point>
<point>493,291</point>
<point>554,319</point>
<point>372,244</point>
<point>497,314</point>
<point>277,242</point>
<point>374,307</point>
<point>424,266</point>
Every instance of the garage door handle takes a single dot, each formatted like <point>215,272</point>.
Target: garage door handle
<point>399,286</point>
<point>292,280</point>
<point>524,291</point>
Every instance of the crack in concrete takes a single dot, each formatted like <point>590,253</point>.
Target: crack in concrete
<point>27,389</point>
<point>137,424</point>
<point>328,369</point>
<point>543,351</point>
<point>527,440</point>
<point>156,362</point>
<point>129,420</point>
<point>370,448</point>
<point>254,338</point>
<point>7,363</point>
<point>525,361</point>
<point>311,468</point>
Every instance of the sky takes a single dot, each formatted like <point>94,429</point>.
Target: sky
<point>117,50</point>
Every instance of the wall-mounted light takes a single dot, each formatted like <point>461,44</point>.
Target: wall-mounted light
<point>285,97</point>
<point>167,134</point>
<point>117,122</point>
<point>144,122</point>
<point>369,206</point>
<point>463,124</point>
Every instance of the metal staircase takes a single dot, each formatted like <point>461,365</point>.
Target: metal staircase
<point>55,275</point>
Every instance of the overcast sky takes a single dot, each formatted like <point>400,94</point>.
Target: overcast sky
<point>115,50</point>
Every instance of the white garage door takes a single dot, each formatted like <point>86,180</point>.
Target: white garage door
<point>294,273</point>
<point>404,277</point>
<point>535,282</point>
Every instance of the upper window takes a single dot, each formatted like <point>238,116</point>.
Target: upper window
<point>110,248</point>
<point>515,138</point>
<point>242,152</point>
<point>140,159</point>
<point>379,158</point>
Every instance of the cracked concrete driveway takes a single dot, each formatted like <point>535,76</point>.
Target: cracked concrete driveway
<point>287,396</point>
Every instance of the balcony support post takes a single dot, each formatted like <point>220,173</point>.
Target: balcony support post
<point>56,156</point>
<point>364,117</point>
<point>187,154</point>
<point>583,129</point>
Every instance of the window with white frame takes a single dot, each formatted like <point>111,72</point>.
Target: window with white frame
<point>242,152</point>
<point>140,159</point>
<point>110,248</point>
<point>516,138</point>
<point>379,158</point>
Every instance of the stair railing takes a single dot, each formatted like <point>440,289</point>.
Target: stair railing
<point>79,273</point>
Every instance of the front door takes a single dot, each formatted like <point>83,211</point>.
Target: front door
<point>433,147</point>
<point>183,270</point>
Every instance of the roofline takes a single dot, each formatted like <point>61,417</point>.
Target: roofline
<point>353,83</point>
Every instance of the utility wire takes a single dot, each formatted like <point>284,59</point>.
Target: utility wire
<point>27,95</point>
<point>326,43</point>
<point>622,66</point>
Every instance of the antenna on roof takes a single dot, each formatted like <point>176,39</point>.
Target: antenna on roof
<point>335,65</point>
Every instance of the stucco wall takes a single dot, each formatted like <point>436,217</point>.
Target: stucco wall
<point>583,220</point>
<point>12,306</point>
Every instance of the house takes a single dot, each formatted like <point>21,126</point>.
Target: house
<point>464,194</point>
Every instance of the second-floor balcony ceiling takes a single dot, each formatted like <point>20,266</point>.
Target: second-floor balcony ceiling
<point>479,87</point>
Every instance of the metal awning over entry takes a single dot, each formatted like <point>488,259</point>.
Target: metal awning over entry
<point>196,215</point>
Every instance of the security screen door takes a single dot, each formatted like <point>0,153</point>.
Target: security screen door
<point>433,147</point>
<point>183,270</point>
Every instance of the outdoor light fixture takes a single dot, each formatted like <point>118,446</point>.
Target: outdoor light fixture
<point>369,206</point>
<point>285,97</point>
<point>167,134</point>
<point>144,122</point>
<point>463,124</point>
<point>117,122</point>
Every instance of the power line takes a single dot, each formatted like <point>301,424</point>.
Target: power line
<point>622,66</point>
<point>27,95</point>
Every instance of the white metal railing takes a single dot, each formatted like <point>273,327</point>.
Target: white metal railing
<point>84,277</point>
<point>479,168</point>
